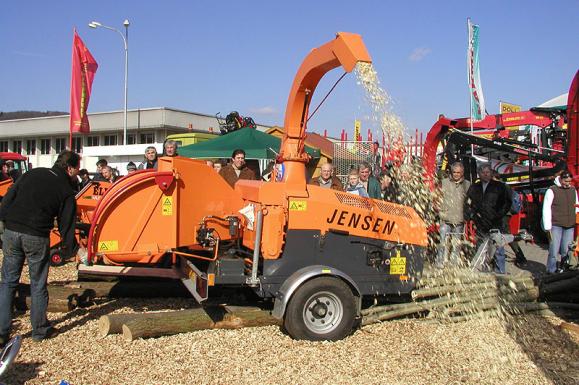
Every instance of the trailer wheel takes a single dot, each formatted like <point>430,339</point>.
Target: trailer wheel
<point>323,308</point>
<point>56,258</point>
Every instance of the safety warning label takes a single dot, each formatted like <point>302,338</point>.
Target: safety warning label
<point>108,246</point>
<point>298,206</point>
<point>167,206</point>
<point>398,264</point>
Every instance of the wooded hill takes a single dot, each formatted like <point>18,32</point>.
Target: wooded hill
<point>29,114</point>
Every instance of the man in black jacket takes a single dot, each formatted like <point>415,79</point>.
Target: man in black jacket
<point>26,217</point>
<point>487,203</point>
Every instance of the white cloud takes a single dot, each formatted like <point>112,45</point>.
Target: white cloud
<point>267,110</point>
<point>419,53</point>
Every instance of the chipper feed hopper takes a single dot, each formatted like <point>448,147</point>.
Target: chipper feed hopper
<point>314,252</point>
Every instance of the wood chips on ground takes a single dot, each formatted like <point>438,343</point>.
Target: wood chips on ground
<point>522,350</point>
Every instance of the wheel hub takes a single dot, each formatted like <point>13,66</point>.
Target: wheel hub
<point>323,312</point>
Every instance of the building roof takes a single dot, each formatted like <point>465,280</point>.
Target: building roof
<point>137,119</point>
<point>313,139</point>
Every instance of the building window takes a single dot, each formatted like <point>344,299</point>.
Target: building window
<point>45,146</point>
<point>110,140</point>
<point>132,139</point>
<point>59,145</point>
<point>147,138</point>
<point>31,147</point>
<point>3,145</point>
<point>92,141</point>
<point>77,144</point>
<point>17,146</point>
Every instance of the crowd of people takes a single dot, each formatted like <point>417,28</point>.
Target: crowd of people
<point>488,205</point>
<point>27,216</point>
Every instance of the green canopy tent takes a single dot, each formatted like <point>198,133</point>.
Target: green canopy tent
<point>256,144</point>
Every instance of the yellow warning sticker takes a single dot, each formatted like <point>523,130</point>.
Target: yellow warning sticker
<point>108,246</point>
<point>167,206</point>
<point>398,265</point>
<point>298,206</point>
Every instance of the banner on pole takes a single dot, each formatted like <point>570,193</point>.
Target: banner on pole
<point>84,67</point>
<point>357,128</point>
<point>477,102</point>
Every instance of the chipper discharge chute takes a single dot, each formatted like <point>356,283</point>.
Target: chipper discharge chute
<point>314,252</point>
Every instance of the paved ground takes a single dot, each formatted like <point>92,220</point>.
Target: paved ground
<point>536,255</point>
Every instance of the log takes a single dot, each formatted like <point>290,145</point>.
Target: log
<point>560,286</point>
<point>240,316</point>
<point>506,286</point>
<point>570,297</point>
<point>570,326</point>
<point>465,280</point>
<point>134,288</point>
<point>558,277</point>
<point>60,300</point>
<point>470,300</point>
<point>168,323</point>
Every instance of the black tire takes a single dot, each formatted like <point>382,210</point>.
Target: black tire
<point>56,258</point>
<point>323,308</point>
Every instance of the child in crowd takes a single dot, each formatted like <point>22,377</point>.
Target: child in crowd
<point>354,185</point>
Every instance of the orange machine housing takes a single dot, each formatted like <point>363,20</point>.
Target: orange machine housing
<point>148,214</point>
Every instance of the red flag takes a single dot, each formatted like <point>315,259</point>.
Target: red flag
<point>84,67</point>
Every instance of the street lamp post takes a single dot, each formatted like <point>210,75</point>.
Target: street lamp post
<point>96,24</point>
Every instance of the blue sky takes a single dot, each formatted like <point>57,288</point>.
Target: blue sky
<point>219,56</point>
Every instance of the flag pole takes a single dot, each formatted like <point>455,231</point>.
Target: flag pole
<point>469,59</point>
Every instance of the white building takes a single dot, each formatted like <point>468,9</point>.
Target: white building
<point>42,139</point>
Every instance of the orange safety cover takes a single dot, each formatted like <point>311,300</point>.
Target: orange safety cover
<point>362,217</point>
<point>148,213</point>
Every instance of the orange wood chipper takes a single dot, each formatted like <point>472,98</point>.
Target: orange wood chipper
<point>314,252</point>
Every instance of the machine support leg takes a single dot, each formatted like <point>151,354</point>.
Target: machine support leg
<point>253,281</point>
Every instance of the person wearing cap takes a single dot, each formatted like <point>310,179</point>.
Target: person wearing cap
<point>100,165</point>
<point>131,168</point>
<point>12,171</point>
<point>559,210</point>
<point>4,174</point>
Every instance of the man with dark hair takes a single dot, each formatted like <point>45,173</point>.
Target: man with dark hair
<point>26,218</point>
<point>150,162</point>
<point>487,203</point>
<point>84,178</point>
<point>559,213</point>
<point>370,183</point>
<point>100,165</point>
<point>237,169</point>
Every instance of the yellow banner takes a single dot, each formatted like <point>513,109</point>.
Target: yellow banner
<point>508,107</point>
<point>357,127</point>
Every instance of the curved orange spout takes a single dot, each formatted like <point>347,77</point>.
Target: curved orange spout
<point>345,50</point>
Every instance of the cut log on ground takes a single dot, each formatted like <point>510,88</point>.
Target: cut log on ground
<point>570,326</point>
<point>144,325</point>
<point>564,285</point>
<point>242,317</point>
<point>169,323</point>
